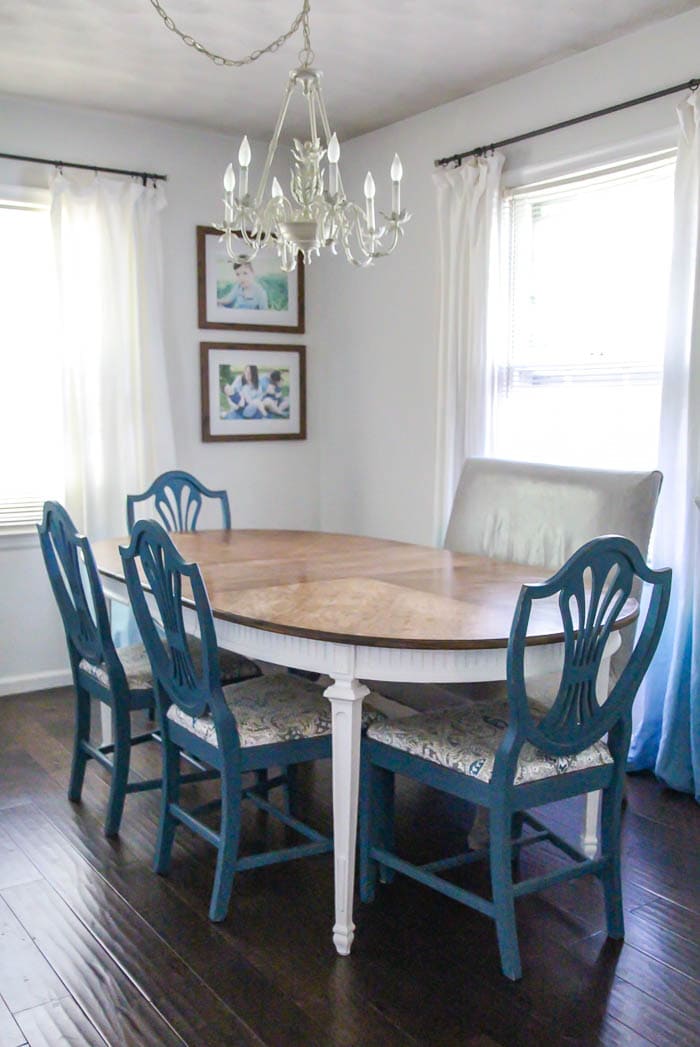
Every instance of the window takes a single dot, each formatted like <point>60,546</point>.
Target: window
<point>580,378</point>
<point>31,393</point>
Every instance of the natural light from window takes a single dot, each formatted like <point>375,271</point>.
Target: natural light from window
<point>580,381</point>
<point>31,393</point>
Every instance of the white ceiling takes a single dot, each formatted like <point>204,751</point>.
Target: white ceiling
<point>383,59</point>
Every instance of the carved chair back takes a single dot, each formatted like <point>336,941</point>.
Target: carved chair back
<point>591,589</point>
<point>177,498</point>
<point>153,565</point>
<point>76,585</point>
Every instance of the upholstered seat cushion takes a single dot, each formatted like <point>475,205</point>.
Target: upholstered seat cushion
<point>234,667</point>
<point>465,739</point>
<point>271,709</point>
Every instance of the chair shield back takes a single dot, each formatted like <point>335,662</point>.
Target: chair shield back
<point>591,589</point>
<point>177,498</point>
<point>76,585</point>
<point>152,562</point>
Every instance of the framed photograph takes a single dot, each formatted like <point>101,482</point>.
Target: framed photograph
<point>253,392</point>
<point>250,296</point>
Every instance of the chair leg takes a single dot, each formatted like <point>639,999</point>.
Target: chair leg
<point>228,845</point>
<point>610,844</point>
<point>384,817</point>
<point>169,794</point>
<point>502,890</point>
<point>367,812</point>
<point>516,831</point>
<point>82,734</point>
<point>121,730</point>
<point>291,790</point>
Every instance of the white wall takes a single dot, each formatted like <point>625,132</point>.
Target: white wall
<point>376,329</point>
<point>270,484</point>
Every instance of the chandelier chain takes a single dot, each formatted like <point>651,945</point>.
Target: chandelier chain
<point>302,19</point>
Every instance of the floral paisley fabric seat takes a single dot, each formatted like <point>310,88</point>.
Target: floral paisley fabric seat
<point>234,667</point>
<point>271,709</point>
<point>466,739</point>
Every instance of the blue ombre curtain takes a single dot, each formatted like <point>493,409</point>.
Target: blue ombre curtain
<point>667,715</point>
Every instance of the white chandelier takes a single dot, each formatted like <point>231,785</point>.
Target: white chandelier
<point>316,213</point>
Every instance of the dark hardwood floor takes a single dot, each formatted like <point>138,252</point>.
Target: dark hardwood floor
<point>95,949</point>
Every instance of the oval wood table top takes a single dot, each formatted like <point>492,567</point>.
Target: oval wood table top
<point>361,591</point>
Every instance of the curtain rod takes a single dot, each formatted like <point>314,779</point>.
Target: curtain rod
<point>145,176</point>
<point>689,85</point>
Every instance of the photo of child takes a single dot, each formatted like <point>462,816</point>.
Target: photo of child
<point>251,393</point>
<point>247,292</point>
<point>246,289</point>
<point>257,285</point>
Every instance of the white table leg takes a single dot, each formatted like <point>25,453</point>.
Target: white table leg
<point>345,696</point>
<point>589,838</point>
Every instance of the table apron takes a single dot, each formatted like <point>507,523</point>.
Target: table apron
<point>400,665</point>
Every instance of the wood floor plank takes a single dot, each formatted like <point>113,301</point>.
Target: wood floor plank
<point>116,1006</point>
<point>185,999</point>
<point>261,984</point>
<point>668,934</point>
<point>298,925</point>
<point>10,1033</point>
<point>677,995</point>
<point>26,979</point>
<point>15,867</point>
<point>59,1024</point>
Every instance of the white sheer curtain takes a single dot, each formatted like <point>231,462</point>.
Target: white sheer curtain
<point>667,735</point>
<point>119,432</point>
<point>468,202</point>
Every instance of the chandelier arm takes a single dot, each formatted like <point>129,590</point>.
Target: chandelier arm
<point>302,19</point>
<point>312,114</point>
<point>274,142</point>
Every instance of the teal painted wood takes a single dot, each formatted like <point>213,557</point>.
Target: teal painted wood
<point>591,589</point>
<point>76,585</point>
<point>177,497</point>
<point>198,693</point>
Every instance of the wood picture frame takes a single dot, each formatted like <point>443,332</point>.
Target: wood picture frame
<point>252,392</point>
<point>271,301</point>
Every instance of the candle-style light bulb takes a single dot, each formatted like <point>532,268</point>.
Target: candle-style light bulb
<point>244,153</point>
<point>276,190</point>
<point>230,179</point>
<point>333,157</point>
<point>396,176</point>
<point>369,200</point>
<point>334,149</point>
<point>244,158</point>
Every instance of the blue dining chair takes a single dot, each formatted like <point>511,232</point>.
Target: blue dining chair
<point>177,497</point>
<point>119,679</point>
<point>512,754</point>
<point>177,500</point>
<point>274,721</point>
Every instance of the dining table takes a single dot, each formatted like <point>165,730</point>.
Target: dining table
<point>356,608</point>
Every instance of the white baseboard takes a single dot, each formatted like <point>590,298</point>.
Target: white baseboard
<point>35,681</point>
